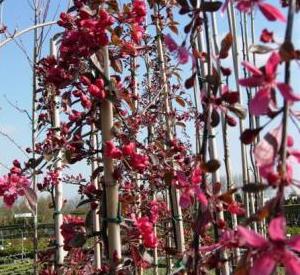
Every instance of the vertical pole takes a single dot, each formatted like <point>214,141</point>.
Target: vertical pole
<point>36,45</point>
<point>228,167</point>
<point>111,186</point>
<point>96,218</point>
<point>58,216</point>
<point>232,28</point>
<point>150,139</point>
<point>174,193</point>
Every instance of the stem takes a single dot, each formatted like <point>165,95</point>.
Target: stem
<point>244,34</point>
<point>14,36</point>
<point>283,149</point>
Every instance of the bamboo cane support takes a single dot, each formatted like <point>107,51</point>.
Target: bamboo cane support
<point>235,57</point>
<point>111,186</point>
<point>58,216</point>
<point>174,196</point>
<point>95,212</point>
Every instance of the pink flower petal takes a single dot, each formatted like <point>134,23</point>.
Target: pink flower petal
<point>260,103</point>
<point>295,154</point>
<point>287,92</point>
<point>253,81</point>
<point>271,13</point>
<point>170,43</point>
<point>264,264</point>
<point>202,198</point>
<point>265,151</point>
<point>291,263</point>
<point>250,238</point>
<point>196,176</point>
<point>272,64</point>
<point>252,69</point>
<point>266,170</point>
<point>277,229</point>
<point>182,55</point>
<point>185,200</point>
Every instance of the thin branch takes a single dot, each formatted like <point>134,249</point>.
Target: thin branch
<point>18,108</point>
<point>14,36</point>
<point>14,142</point>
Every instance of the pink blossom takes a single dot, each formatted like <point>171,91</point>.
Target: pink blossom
<point>111,151</point>
<point>273,251</point>
<point>183,55</point>
<point>145,228</point>
<point>269,11</point>
<point>170,43</point>
<point>96,91</point>
<point>137,33</point>
<point>139,8</point>
<point>129,149</point>
<point>235,208</point>
<point>265,80</point>
<point>190,188</point>
<point>139,162</point>
<point>266,154</point>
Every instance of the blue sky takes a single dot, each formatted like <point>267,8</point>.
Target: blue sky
<point>15,78</point>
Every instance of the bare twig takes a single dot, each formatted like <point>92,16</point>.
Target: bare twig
<point>17,34</point>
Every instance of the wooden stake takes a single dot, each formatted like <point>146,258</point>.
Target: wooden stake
<point>58,216</point>
<point>96,218</point>
<point>174,193</point>
<point>111,186</point>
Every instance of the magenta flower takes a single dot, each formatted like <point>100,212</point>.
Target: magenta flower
<point>276,250</point>
<point>13,184</point>
<point>182,55</point>
<point>265,80</point>
<point>146,230</point>
<point>269,11</point>
<point>191,188</point>
<point>170,43</point>
<point>266,157</point>
<point>111,151</point>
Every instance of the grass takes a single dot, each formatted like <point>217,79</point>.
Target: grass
<point>17,268</point>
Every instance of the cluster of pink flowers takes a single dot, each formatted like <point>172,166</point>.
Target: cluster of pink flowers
<point>156,209</point>
<point>138,16</point>
<point>13,184</point>
<point>51,179</point>
<point>190,188</point>
<point>145,228</point>
<point>138,161</point>
<point>181,52</point>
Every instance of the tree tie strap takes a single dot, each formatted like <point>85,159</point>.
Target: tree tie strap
<point>55,213</point>
<point>177,218</point>
<point>116,220</point>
